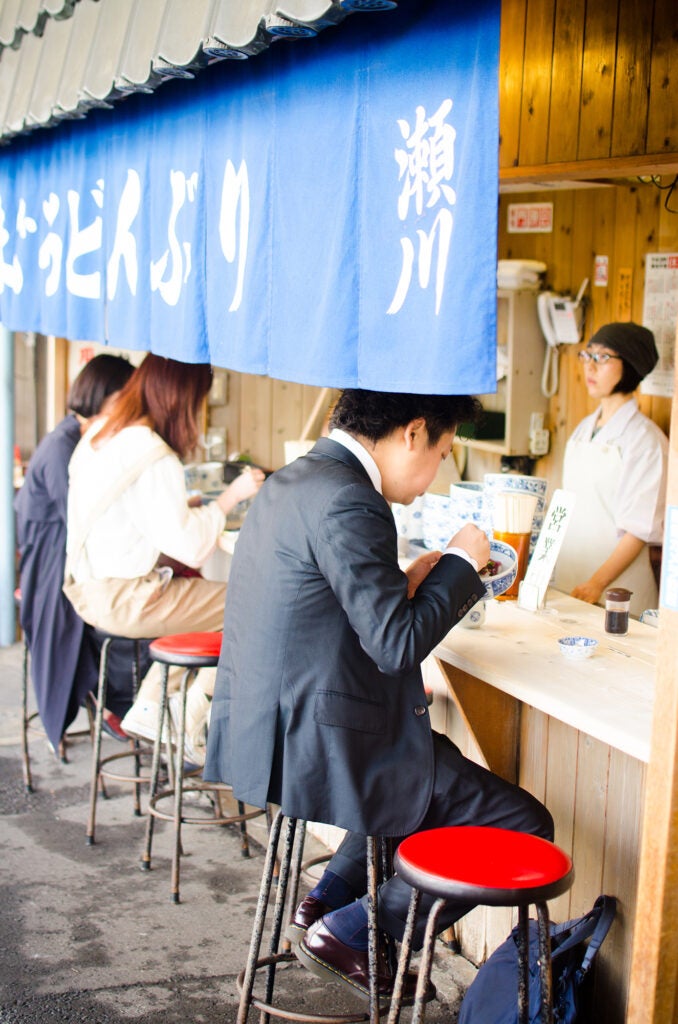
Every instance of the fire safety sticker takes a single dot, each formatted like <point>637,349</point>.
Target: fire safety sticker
<point>530,217</point>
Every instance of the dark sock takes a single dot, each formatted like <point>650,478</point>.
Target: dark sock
<point>333,890</point>
<point>349,925</point>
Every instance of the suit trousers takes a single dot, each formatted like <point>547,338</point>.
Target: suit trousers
<point>464,793</point>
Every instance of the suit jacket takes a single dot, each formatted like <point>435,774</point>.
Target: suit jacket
<point>319,703</point>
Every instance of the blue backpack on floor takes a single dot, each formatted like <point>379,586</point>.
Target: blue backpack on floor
<point>492,997</point>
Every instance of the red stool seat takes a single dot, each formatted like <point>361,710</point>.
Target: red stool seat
<point>191,652</point>
<point>481,865</point>
<point>492,866</point>
<point>187,648</point>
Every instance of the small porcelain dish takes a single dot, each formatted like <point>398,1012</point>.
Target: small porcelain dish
<point>507,558</point>
<point>577,647</point>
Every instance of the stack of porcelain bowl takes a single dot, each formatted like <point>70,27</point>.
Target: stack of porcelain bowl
<point>469,506</point>
<point>433,519</point>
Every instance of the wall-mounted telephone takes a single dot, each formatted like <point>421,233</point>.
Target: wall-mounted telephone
<point>561,319</point>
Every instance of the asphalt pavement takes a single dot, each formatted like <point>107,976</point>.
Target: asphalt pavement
<point>87,937</point>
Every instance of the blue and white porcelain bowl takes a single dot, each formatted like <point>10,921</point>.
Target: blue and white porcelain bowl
<point>438,525</point>
<point>576,648</point>
<point>507,558</point>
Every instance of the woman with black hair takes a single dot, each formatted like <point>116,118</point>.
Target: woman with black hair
<point>64,652</point>
<point>616,465</point>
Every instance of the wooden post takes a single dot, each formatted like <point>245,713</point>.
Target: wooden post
<point>654,966</point>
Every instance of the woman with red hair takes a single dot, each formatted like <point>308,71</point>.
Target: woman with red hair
<point>128,512</point>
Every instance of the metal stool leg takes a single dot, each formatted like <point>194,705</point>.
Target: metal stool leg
<point>523,936</point>
<point>179,783</point>
<point>96,749</point>
<point>155,768</point>
<point>28,777</point>
<point>292,854</point>
<point>136,748</point>
<point>404,959</point>
<point>545,963</point>
<point>372,928</point>
<point>259,918</point>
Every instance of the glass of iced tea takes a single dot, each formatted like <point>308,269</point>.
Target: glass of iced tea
<point>512,516</point>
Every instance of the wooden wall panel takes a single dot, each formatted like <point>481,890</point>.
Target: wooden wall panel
<point>662,126</point>
<point>623,825</point>
<point>597,90</point>
<point>286,418</point>
<point>587,81</point>
<point>260,414</point>
<point>536,96</point>
<point>632,78</point>
<point>561,784</point>
<point>568,55</point>
<point>588,840</point>
<point>256,419</point>
<point>511,49</point>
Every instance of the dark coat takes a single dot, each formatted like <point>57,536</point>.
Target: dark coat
<point>64,660</point>
<point>319,702</point>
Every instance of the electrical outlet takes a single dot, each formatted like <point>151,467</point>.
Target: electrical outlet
<point>539,442</point>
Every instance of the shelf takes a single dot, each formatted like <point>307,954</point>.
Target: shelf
<point>593,173</point>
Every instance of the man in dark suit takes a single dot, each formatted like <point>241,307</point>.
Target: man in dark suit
<point>319,704</point>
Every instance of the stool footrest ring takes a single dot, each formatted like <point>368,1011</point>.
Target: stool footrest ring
<point>304,1018</point>
<point>201,787</point>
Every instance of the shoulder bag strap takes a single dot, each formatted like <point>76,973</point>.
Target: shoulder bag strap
<point>594,926</point>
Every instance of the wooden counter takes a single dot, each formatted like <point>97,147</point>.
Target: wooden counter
<point>574,733</point>
<point>609,696</point>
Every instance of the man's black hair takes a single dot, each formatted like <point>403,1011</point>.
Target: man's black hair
<point>376,414</point>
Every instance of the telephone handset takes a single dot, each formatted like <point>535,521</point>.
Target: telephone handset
<point>561,319</point>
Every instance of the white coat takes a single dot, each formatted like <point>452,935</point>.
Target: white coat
<point>619,478</point>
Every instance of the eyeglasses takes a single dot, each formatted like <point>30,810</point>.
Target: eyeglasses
<point>599,358</point>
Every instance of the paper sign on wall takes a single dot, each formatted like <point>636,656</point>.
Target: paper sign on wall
<point>660,312</point>
<point>543,561</point>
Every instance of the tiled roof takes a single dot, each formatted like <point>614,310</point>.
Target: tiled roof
<point>61,58</point>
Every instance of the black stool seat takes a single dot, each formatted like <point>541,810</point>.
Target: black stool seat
<point>190,651</point>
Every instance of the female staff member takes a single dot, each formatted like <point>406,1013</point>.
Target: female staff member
<point>128,505</point>
<point>64,652</point>
<point>616,464</point>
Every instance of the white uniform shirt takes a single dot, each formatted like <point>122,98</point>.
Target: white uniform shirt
<point>151,517</point>
<point>641,495</point>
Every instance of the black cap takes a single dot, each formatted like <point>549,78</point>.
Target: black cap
<point>635,344</point>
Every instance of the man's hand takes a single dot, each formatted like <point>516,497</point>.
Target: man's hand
<point>474,542</point>
<point>419,569</point>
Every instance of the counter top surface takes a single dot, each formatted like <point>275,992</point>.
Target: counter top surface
<point>609,695</point>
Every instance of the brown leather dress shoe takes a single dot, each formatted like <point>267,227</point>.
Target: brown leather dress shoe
<point>307,913</point>
<point>328,958</point>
